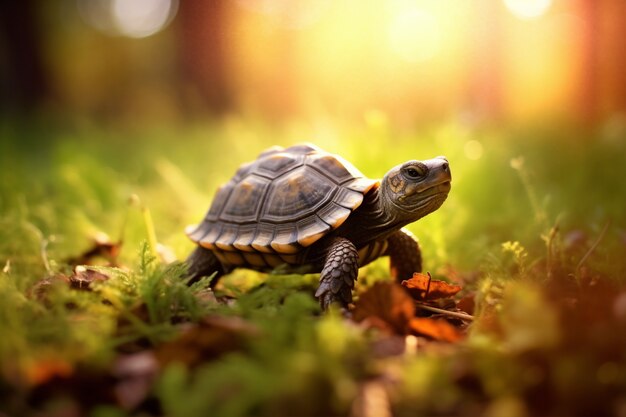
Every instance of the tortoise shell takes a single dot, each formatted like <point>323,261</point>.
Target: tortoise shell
<point>283,202</point>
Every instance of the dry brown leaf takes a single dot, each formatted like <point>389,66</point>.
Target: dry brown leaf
<point>84,276</point>
<point>437,329</point>
<point>467,304</point>
<point>385,304</point>
<point>101,247</point>
<point>422,287</point>
<point>206,340</point>
<point>388,306</point>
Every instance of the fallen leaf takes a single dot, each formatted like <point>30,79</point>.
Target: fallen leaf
<point>422,287</point>
<point>436,329</point>
<point>101,247</point>
<point>84,276</point>
<point>467,304</point>
<point>206,340</point>
<point>45,369</point>
<point>385,304</point>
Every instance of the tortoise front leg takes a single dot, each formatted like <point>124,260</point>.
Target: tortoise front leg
<point>340,271</point>
<point>203,263</point>
<point>404,254</point>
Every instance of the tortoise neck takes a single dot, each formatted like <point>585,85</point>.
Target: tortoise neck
<point>373,220</point>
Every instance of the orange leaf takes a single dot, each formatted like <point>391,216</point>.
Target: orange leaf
<point>385,304</point>
<point>437,329</point>
<point>422,287</point>
<point>45,369</point>
<point>467,304</point>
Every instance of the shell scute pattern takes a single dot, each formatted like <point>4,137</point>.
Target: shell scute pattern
<point>219,201</point>
<point>245,200</point>
<point>334,167</point>
<point>362,185</point>
<point>284,240</point>
<point>284,201</point>
<point>311,229</point>
<point>348,198</point>
<point>334,214</point>
<point>244,239</point>
<point>212,231</point>
<point>227,237</point>
<point>263,240</point>
<point>243,170</point>
<point>296,195</point>
<point>277,164</point>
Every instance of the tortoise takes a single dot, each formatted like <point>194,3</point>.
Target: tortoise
<point>312,211</point>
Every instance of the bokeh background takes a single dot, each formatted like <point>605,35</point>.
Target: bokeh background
<point>120,118</point>
<point>147,62</point>
<point>162,100</point>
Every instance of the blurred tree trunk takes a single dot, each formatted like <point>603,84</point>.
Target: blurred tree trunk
<point>588,93</point>
<point>203,50</point>
<point>485,87</point>
<point>612,58</point>
<point>23,78</point>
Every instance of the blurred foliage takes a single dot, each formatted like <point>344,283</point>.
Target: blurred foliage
<point>534,229</point>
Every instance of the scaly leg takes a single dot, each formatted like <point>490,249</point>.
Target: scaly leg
<point>203,263</point>
<point>404,254</point>
<point>340,271</point>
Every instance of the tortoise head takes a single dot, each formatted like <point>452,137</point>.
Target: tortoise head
<point>415,188</point>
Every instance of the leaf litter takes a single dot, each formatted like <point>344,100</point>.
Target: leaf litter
<point>554,323</point>
<point>395,308</point>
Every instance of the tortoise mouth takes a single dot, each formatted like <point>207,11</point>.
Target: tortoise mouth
<point>430,203</point>
<point>428,200</point>
<point>444,187</point>
<point>440,188</point>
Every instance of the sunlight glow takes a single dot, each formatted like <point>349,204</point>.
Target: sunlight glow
<point>289,14</point>
<point>409,59</point>
<point>131,18</point>
<point>141,18</point>
<point>528,9</point>
<point>97,14</point>
<point>415,35</point>
<point>473,149</point>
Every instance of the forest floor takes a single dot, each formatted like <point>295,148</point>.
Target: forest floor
<point>521,310</point>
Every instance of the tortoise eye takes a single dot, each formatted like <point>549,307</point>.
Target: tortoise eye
<point>413,173</point>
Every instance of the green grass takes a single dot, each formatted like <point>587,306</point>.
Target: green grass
<point>536,221</point>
